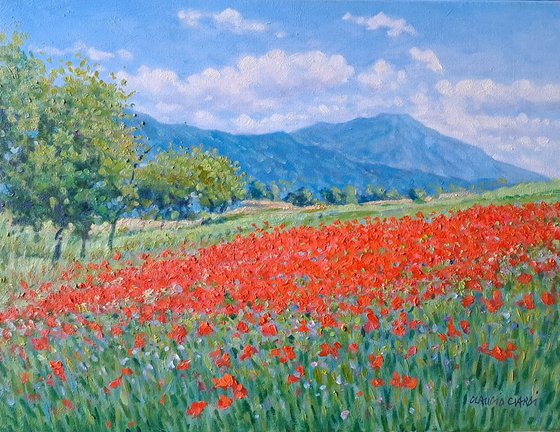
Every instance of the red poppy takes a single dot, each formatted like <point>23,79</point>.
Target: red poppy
<point>205,329</point>
<point>269,330</point>
<point>116,383</point>
<point>465,326</point>
<point>242,327</point>
<point>178,333</point>
<point>58,369</point>
<point>67,404</point>
<point>196,408</point>
<point>239,392</point>
<point>376,362</point>
<point>377,382</point>
<point>411,352</point>
<point>548,299</point>
<point>184,365</point>
<point>248,352</point>
<point>224,402</point>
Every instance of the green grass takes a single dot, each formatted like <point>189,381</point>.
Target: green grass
<point>449,375</point>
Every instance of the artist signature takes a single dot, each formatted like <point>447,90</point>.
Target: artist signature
<point>503,401</point>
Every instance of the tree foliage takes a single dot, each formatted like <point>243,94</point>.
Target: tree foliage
<point>67,156</point>
<point>176,182</point>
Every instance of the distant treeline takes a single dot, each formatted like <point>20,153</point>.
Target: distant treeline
<point>348,194</point>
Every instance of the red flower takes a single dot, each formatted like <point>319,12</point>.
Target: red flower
<point>411,351</point>
<point>41,344</point>
<point>269,330</point>
<point>116,383</point>
<point>409,382</point>
<point>184,365</point>
<point>525,278</point>
<point>452,330</point>
<point>376,361</point>
<point>548,298</point>
<point>528,302</point>
<point>205,329</point>
<point>378,382</point>
<point>224,382</point>
<point>224,402</point>
<point>497,352</point>
<point>178,333</point>
<point>239,392</point>
<point>465,326</point>
<point>248,352</point>
<point>126,371</point>
<point>292,379</point>
<point>242,327</point>
<point>196,408</point>
<point>58,370</point>
<point>67,404</point>
<point>467,301</point>
<point>396,381</point>
<point>140,341</point>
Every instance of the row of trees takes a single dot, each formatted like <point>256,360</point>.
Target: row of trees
<point>333,195</point>
<point>70,156</point>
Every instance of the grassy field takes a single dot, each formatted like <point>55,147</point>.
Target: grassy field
<point>423,323</point>
<point>25,254</point>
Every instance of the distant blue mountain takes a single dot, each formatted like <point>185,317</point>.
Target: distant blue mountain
<point>391,151</point>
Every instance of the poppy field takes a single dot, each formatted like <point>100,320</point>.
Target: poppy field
<point>444,321</point>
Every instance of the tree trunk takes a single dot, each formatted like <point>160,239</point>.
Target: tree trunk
<point>58,246</point>
<point>112,235</point>
<point>85,237</point>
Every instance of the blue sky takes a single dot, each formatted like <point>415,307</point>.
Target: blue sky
<point>483,72</point>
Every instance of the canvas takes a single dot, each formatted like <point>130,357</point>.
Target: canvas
<point>279,215</point>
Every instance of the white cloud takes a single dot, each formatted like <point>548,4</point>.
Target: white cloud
<point>190,18</point>
<point>274,122</point>
<point>99,55</point>
<point>48,50</point>
<point>521,138</point>
<point>125,54</point>
<point>428,58</point>
<point>233,20</point>
<point>229,19</point>
<point>488,91</point>
<point>91,52</point>
<point>382,76</point>
<point>254,85</point>
<point>395,26</point>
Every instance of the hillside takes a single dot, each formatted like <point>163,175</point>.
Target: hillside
<point>392,151</point>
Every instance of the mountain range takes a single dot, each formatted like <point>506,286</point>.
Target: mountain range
<point>393,151</point>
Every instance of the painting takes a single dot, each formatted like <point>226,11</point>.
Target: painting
<point>279,215</point>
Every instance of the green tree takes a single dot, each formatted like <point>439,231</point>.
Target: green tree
<point>333,195</point>
<point>301,197</point>
<point>350,195</point>
<point>175,180</point>
<point>258,190</point>
<point>66,155</point>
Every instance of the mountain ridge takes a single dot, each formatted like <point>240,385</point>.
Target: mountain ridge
<point>393,151</point>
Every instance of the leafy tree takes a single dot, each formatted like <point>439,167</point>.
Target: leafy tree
<point>350,195</point>
<point>174,181</point>
<point>219,181</point>
<point>66,155</point>
<point>275,192</point>
<point>258,190</point>
<point>333,195</point>
<point>417,194</point>
<point>301,197</point>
